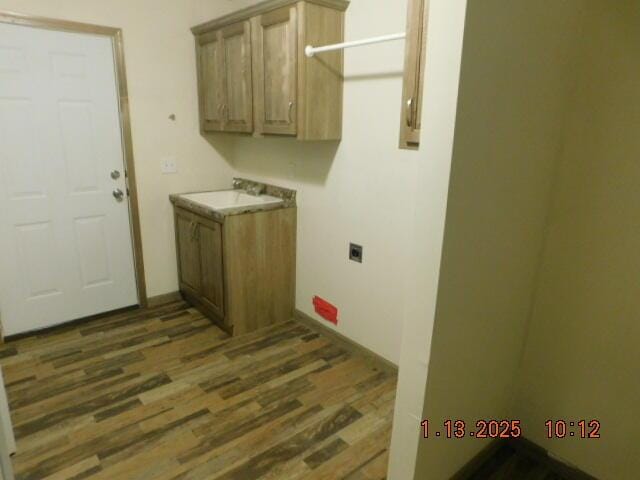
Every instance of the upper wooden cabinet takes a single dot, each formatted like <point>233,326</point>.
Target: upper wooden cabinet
<point>414,70</point>
<point>210,69</point>
<point>276,68</point>
<point>224,79</point>
<point>254,77</point>
<point>237,109</point>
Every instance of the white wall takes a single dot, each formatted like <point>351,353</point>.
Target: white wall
<point>582,358</point>
<point>514,88</point>
<point>425,236</point>
<point>359,190</point>
<point>161,76</point>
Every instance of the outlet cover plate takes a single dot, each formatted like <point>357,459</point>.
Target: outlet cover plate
<point>355,252</point>
<point>169,165</point>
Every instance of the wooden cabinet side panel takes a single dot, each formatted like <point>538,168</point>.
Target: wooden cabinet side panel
<point>259,263</point>
<point>414,70</point>
<point>321,78</point>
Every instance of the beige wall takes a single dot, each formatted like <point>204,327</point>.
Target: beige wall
<point>162,80</point>
<point>359,190</point>
<point>582,358</point>
<point>515,84</point>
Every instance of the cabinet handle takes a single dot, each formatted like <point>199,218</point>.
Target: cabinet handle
<point>410,112</point>
<point>290,110</point>
<point>225,108</point>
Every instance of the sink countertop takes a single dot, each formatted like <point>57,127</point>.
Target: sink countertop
<point>197,202</point>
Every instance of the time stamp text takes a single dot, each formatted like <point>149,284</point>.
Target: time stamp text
<point>504,429</point>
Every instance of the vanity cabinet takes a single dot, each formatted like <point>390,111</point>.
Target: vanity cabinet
<point>239,271</point>
<point>199,246</point>
<point>254,76</point>
<point>414,71</point>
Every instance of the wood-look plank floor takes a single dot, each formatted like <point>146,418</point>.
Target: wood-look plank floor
<point>164,394</point>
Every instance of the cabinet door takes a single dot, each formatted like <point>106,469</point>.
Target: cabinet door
<point>212,288</point>
<point>415,58</point>
<point>188,252</point>
<point>275,45</point>
<point>210,81</point>
<point>238,104</point>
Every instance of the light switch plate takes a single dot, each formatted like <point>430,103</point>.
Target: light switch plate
<point>169,165</point>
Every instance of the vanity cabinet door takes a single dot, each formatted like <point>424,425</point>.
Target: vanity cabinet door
<point>188,252</point>
<point>212,288</point>
<point>276,70</point>
<point>210,58</point>
<point>238,105</point>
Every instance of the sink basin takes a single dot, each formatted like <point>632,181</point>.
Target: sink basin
<point>230,199</point>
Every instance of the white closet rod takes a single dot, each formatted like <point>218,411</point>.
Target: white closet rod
<point>311,51</point>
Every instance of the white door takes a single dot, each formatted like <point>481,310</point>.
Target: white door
<point>65,240</point>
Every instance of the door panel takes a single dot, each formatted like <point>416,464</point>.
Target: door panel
<point>23,165</point>
<point>93,251</point>
<point>210,236</point>
<point>76,122</point>
<point>35,248</point>
<point>188,252</point>
<point>211,68</point>
<point>238,105</point>
<point>65,242</point>
<point>276,43</point>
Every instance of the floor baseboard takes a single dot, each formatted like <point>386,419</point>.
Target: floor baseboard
<point>163,299</point>
<point>491,458</point>
<point>472,467</point>
<point>541,455</point>
<point>347,343</point>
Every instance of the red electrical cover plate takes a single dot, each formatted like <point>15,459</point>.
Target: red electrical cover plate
<point>326,310</point>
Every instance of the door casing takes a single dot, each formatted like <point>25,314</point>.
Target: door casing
<point>115,34</point>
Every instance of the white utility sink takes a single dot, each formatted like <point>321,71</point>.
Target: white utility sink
<point>230,199</point>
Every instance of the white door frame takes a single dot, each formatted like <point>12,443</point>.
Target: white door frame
<point>115,34</point>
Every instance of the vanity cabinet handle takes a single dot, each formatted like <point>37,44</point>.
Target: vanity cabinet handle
<point>410,112</point>
<point>290,111</point>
